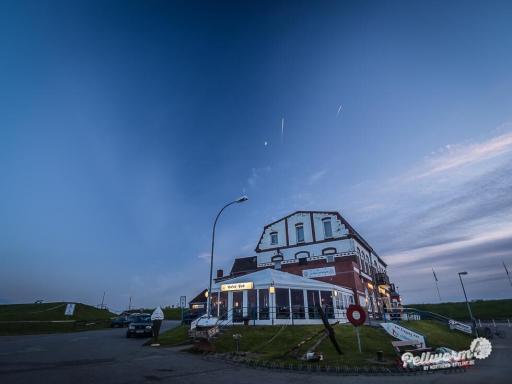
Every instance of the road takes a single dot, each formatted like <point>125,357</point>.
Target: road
<point>106,356</point>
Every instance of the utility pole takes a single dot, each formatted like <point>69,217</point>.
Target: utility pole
<point>103,301</point>
<point>508,275</point>
<point>130,304</point>
<point>437,286</point>
<point>467,302</point>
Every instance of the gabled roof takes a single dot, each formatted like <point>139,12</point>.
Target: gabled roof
<point>244,264</point>
<point>265,277</point>
<point>352,232</point>
<point>200,298</point>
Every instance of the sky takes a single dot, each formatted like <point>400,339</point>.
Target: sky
<point>126,125</point>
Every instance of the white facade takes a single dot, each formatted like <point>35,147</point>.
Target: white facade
<point>317,242</point>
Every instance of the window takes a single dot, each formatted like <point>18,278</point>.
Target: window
<point>252,307</point>
<point>297,303</point>
<point>302,255</point>
<point>328,251</point>
<point>326,300</point>
<point>282,303</point>
<point>313,303</point>
<point>263,308</point>
<point>330,258</point>
<point>273,238</point>
<point>299,231</point>
<point>327,228</point>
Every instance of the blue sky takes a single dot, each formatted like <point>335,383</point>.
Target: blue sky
<point>125,126</point>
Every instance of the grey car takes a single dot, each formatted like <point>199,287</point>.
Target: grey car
<point>140,325</point>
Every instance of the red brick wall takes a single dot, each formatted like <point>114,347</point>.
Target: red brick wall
<point>345,274</point>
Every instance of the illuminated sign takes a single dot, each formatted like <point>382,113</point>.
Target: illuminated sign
<point>480,349</point>
<point>236,286</point>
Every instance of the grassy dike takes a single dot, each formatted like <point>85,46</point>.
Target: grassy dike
<point>273,343</point>
<point>20,319</point>
<point>482,309</point>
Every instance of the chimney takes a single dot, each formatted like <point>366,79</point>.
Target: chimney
<point>220,273</point>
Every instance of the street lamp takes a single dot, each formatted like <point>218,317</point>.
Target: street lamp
<point>241,199</point>
<point>467,302</point>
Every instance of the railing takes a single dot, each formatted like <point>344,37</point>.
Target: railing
<point>381,278</point>
<point>253,314</point>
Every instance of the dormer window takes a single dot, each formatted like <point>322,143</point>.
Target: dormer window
<point>327,228</point>
<point>273,238</point>
<point>299,232</point>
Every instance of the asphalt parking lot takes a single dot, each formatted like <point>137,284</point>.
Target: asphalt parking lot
<point>107,356</point>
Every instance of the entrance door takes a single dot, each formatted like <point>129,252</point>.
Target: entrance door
<point>238,306</point>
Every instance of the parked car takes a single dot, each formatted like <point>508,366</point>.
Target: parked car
<point>140,325</point>
<point>120,322</point>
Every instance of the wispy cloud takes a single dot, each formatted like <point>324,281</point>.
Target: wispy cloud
<point>317,176</point>
<point>256,174</point>
<point>453,157</point>
<point>453,211</point>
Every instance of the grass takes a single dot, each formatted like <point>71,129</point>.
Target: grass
<point>439,335</point>
<point>482,309</point>
<point>268,343</point>
<point>172,313</point>
<point>255,340</point>
<point>85,316</point>
<point>175,336</point>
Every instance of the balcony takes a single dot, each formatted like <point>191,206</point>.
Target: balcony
<point>382,278</point>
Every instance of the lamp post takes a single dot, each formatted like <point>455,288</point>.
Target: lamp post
<point>467,302</point>
<point>209,298</point>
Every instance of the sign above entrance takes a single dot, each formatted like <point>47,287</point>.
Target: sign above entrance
<point>236,286</point>
<point>319,272</point>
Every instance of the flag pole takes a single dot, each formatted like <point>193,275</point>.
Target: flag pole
<point>508,275</point>
<point>437,286</point>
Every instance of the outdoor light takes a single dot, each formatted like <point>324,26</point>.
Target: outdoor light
<point>272,289</point>
<point>241,199</point>
<point>206,294</point>
<point>473,320</point>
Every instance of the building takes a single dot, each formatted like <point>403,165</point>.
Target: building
<point>322,245</point>
<point>271,297</point>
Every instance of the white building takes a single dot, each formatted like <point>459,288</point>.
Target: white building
<point>323,245</point>
<point>268,297</point>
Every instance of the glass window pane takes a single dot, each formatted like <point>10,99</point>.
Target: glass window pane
<point>300,233</point>
<point>327,228</point>
<point>298,304</point>
<point>238,306</point>
<point>263,312</point>
<point>313,303</point>
<point>252,304</point>
<point>282,303</point>
<point>223,305</point>
<point>327,306</point>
